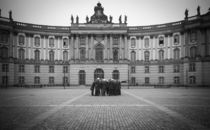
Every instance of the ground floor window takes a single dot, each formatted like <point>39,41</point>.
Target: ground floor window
<point>146,80</point>
<point>65,80</point>
<point>115,74</point>
<point>4,80</point>
<point>51,80</point>
<point>99,73</point>
<point>81,77</point>
<point>36,80</point>
<point>192,79</point>
<point>161,80</point>
<point>176,80</point>
<point>21,80</point>
<point>133,81</point>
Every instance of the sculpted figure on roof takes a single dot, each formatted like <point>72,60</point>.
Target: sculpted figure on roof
<point>99,16</point>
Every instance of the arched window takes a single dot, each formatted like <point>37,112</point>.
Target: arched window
<point>81,77</point>
<point>133,42</point>
<point>133,56</point>
<point>37,55</point>
<point>146,56</point>
<point>146,42</point>
<point>21,40</point>
<point>161,41</point>
<point>51,55</point>
<point>116,74</point>
<point>82,54</point>
<point>176,39</point>
<point>115,55</point>
<point>99,53</point>
<point>21,54</point>
<point>176,53</point>
<point>65,42</point>
<point>161,55</point>
<point>193,52</point>
<point>51,42</point>
<point>37,41</point>
<point>4,52</point>
<point>65,56</point>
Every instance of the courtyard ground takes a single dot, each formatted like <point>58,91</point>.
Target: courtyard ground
<point>151,109</point>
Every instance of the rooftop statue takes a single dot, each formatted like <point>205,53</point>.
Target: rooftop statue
<point>87,19</point>
<point>198,10</point>
<point>77,19</point>
<point>125,19</point>
<point>99,16</point>
<point>186,13</point>
<point>120,19</point>
<point>110,19</point>
<point>72,19</point>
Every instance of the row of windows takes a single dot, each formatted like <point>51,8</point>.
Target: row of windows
<point>161,80</point>
<point>37,41</point>
<point>161,41</point>
<point>192,68</point>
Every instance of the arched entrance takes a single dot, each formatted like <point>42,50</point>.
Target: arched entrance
<point>81,77</point>
<point>99,73</point>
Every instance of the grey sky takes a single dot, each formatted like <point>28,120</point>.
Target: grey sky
<point>139,12</point>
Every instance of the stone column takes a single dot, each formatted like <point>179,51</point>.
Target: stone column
<point>86,47</point>
<point>77,47</point>
<point>186,44</point>
<point>42,48</point>
<point>166,47</point>
<point>121,48</point>
<point>92,47</point>
<point>126,47</point>
<point>47,45</point>
<point>10,40</point>
<point>72,48</point>
<point>106,50</point>
<point>156,45</point>
<point>111,51</point>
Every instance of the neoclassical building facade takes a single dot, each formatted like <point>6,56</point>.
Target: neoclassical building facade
<point>176,53</point>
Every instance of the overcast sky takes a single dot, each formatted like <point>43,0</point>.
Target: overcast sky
<point>139,12</point>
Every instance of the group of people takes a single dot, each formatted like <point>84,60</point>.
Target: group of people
<point>103,87</point>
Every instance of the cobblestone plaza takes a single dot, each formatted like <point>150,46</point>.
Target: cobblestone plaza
<point>56,108</point>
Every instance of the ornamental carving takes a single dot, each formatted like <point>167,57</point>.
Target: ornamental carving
<point>99,16</point>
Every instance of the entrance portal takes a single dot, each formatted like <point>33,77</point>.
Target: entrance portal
<point>99,73</point>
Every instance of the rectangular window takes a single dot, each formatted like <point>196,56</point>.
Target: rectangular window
<point>5,80</point>
<point>5,67</point>
<point>161,80</point>
<point>4,38</point>
<point>65,69</point>
<point>176,80</point>
<point>146,80</point>
<point>146,69</point>
<point>192,79</point>
<point>82,40</point>
<point>65,80</point>
<point>36,80</point>
<point>22,68</point>
<point>161,69</point>
<point>192,67</point>
<point>21,80</point>
<point>176,68</point>
<point>51,80</point>
<point>37,69</point>
<point>133,69</point>
<point>115,40</point>
<point>133,81</point>
<point>51,69</point>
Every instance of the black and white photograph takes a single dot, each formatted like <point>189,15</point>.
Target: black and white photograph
<point>105,65</point>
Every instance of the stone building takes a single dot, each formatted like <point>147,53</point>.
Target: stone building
<point>176,53</point>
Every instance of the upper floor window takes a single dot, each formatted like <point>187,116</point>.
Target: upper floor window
<point>37,69</point>
<point>21,54</point>
<point>176,39</point>
<point>65,56</point>
<point>133,69</point>
<point>51,55</point>
<point>161,55</point>
<point>51,69</point>
<point>82,54</point>
<point>99,53</point>
<point>51,42</point>
<point>115,40</point>
<point>4,52</point>
<point>5,67</point>
<point>176,68</point>
<point>193,52</point>
<point>146,56</point>
<point>161,69</point>
<point>65,69</point>
<point>37,41</point>
<point>146,42</point>
<point>133,56</point>
<point>115,55</point>
<point>21,40</point>
<point>176,53</point>
<point>146,69</point>
<point>82,40</point>
<point>37,55</point>
<point>21,68</point>
<point>192,67</point>
<point>193,36</point>
<point>133,42</point>
<point>161,41</point>
<point>65,42</point>
<point>4,37</point>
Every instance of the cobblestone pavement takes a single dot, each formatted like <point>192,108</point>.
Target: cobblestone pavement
<point>54,109</point>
